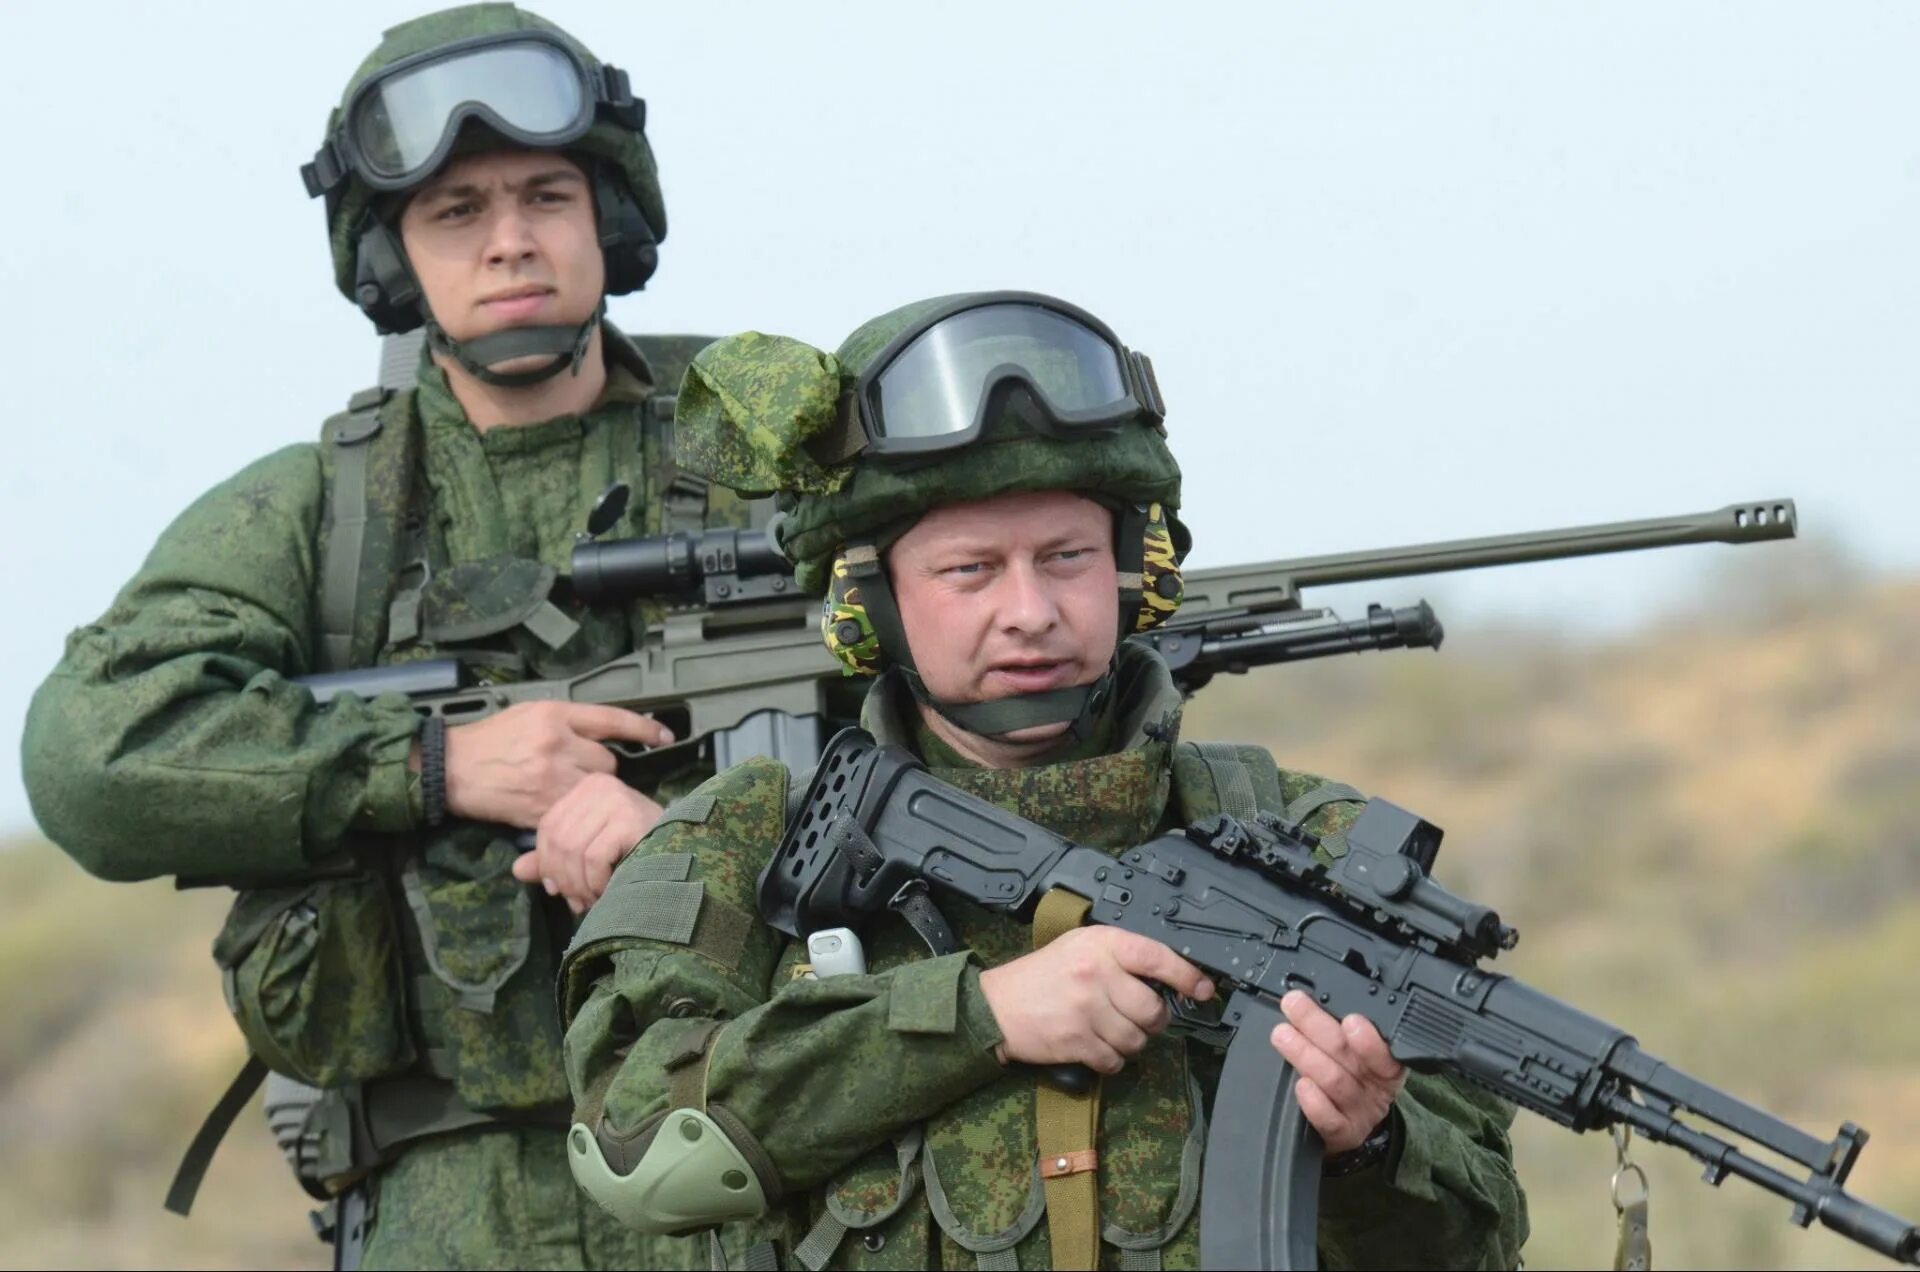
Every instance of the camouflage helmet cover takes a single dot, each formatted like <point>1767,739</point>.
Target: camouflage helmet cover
<point>749,404</point>
<point>625,149</point>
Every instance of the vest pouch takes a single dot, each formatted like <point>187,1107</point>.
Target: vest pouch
<point>868,1221</point>
<point>1149,1171</point>
<point>312,974</point>
<point>981,1172</point>
<point>483,1003</point>
<point>982,1176</point>
<point>479,599</point>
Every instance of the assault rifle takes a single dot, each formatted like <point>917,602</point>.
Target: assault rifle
<point>1248,903</point>
<point>736,666</point>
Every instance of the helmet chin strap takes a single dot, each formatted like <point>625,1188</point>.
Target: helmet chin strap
<point>567,346</point>
<point>1076,706</point>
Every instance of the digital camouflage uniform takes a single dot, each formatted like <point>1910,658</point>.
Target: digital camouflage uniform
<point>877,1099</point>
<point>169,740</point>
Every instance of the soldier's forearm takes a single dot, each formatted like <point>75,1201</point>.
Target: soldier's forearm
<point>205,764</point>
<point>820,1074</point>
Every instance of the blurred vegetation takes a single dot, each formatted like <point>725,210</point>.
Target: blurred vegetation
<point>1708,833</point>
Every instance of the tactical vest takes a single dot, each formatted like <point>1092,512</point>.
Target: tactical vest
<point>388,978</point>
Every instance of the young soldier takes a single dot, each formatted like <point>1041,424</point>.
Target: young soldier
<point>982,487</point>
<point>486,177</point>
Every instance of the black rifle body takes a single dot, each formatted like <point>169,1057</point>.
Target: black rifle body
<point>1251,905</point>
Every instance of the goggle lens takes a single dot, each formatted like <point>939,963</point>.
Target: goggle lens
<point>936,386</point>
<point>531,88</point>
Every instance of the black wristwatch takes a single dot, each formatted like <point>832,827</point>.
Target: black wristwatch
<point>433,769</point>
<point>1367,1152</point>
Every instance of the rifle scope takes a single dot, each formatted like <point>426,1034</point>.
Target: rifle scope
<point>728,565</point>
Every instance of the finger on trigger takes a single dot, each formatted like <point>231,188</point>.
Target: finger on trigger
<point>1153,960</point>
<point>592,720</point>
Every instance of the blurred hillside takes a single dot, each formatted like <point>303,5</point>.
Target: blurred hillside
<point>1706,833</point>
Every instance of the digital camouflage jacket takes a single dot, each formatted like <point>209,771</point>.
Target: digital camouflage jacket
<point>169,740</point>
<point>894,1136</point>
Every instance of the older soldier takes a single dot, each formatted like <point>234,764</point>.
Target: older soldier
<point>981,486</point>
<point>487,178</point>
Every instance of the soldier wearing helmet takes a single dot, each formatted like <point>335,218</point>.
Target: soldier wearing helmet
<point>485,178</point>
<point>981,487</point>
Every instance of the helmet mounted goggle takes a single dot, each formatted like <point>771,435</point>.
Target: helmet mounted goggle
<point>530,87</point>
<point>934,387</point>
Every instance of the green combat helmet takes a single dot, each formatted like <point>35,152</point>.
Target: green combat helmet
<point>473,77</point>
<point>945,401</point>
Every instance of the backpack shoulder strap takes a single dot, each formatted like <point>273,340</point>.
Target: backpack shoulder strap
<point>368,453</point>
<point>1210,778</point>
<point>681,496</point>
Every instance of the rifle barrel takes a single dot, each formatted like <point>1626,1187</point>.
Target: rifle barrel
<point>1735,523</point>
<point>1266,586</point>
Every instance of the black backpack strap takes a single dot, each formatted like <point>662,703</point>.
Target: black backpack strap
<point>199,1154</point>
<point>680,496</point>
<point>369,458</point>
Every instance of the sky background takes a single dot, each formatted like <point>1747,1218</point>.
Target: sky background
<point>1406,271</point>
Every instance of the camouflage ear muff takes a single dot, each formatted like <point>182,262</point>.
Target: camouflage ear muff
<point>845,625</point>
<point>1161,587</point>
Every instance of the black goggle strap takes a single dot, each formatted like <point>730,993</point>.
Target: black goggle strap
<point>865,569</point>
<point>1146,386</point>
<point>844,438</point>
<point>616,100</point>
<point>325,172</point>
<point>1130,560</point>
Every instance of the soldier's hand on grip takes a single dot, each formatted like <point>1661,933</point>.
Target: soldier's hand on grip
<point>1085,998</point>
<point>513,767</point>
<point>1348,1079</point>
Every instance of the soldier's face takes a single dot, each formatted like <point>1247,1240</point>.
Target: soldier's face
<point>506,239</point>
<point>1008,596</point>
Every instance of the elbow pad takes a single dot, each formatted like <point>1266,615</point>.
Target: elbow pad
<point>690,1173</point>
